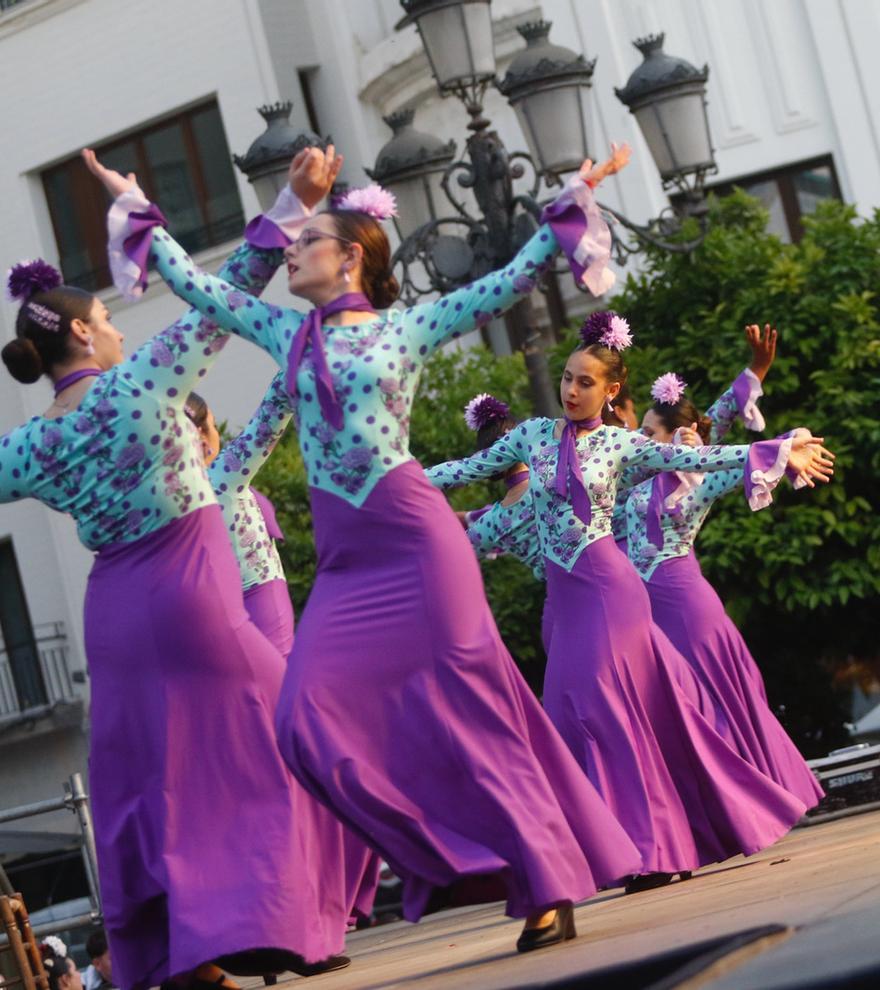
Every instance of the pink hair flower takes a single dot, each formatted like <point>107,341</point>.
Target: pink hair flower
<point>668,389</point>
<point>484,409</point>
<point>373,200</point>
<point>607,328</point>
<point>617,336</point>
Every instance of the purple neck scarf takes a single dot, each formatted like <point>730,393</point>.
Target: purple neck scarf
<point>75,376</point>
<point>569,480</point>
<point>310,332</point>
<point>662,486</point>
<point>512,480</point>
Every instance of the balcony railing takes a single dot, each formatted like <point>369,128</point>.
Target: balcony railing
<point>57,676</point>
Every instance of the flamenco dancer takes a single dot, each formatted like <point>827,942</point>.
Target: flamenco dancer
<point>507,526</point>
<point>613,685</point>
<point>165,627</point>
<point>249,516</point>
<point>401,708</point>
<point>664,518</point>
<point>253,529</point>
<point>738,401</point>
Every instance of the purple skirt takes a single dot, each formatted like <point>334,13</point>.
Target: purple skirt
<point>403,711</point>
<point>271,611</point>
<point>206,844</point>
<point>618,692</point>
<point>686,607</point>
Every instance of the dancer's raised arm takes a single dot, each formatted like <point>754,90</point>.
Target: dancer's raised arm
<point>238,462</point>
<point>132,221</point>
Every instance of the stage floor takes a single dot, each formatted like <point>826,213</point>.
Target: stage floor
<point>812,903</point>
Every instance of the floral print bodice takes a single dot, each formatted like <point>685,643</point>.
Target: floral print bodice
<point>680,528</point>
<point>509,529</point>
<point>127,460</point>
<point>722,414</point>
<point>603,456</point>
<point>375,365</point>
<point>232,474</point>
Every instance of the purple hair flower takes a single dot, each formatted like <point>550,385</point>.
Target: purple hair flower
<point>484,409</point>
<point>607,328</point>
<point>29,277</point>
<point>668,389</point>
<point>373,200</point>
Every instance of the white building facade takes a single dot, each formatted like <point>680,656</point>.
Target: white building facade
<point>794,108</point>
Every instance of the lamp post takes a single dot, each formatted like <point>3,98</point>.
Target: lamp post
<point>268,158</point>
<point>548,87</point>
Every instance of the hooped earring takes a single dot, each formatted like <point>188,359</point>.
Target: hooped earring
<point>90,347</point>
<point>609,404</point>
<point>345,276</point>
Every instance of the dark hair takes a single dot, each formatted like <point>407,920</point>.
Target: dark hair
<point>682,413</point>
<point>56,966</point>
<point>380,285</point>
<point>196,409</point>
<point>609,358</point>
<point>35,348</point>
<point>623,396</point>
<point>494,430</point>
<point>96,944</point>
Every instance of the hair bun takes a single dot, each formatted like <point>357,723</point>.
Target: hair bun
<point>23,360</point>
<point>384,291</point>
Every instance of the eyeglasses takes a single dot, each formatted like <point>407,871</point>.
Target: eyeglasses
<point>308,237</point>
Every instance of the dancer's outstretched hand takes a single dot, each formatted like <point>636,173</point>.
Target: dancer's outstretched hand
<point>763,347</point>
<point>114,182</point>
<point>810,459</point>
<point>594,174</point>
<point>312,174</point>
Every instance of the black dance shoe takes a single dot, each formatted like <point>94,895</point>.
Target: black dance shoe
<point>560,929</point>
<point>265,962</point>
<point>649,881</point>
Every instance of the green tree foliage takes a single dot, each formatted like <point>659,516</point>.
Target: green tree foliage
<point>801,579</point>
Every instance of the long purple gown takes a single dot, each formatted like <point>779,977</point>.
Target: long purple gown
<point>686,607</point>
<point>615,687</point>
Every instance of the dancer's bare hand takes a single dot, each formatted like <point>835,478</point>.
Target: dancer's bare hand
<point>114,182</point>
<point>810,459</point>
<point>312,174</point>
<point>688,436</point>
<point>763,347</point>
<point>619,158</point>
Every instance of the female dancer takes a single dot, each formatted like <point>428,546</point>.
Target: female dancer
<point>249,516</point>
<point>250,521</point>
<point>685,606</point>
<point>165,628</point>
<point>612,684</point>
<point>401,709</point>
<point>507,526</point>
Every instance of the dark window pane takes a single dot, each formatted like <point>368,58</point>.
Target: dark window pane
<point>768,192</point>
<point>18,633</point>
<point>72,250</point>
<point>183,164</point>
<point>813,185</point>
<point>174,187</point>
<point>223,203</point>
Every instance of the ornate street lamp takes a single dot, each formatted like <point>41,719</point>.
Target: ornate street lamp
<point>667,96</point>
<point>268,158</point>
<point>457,35</point>
<point>412,165</point>
<point>548,85</point>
